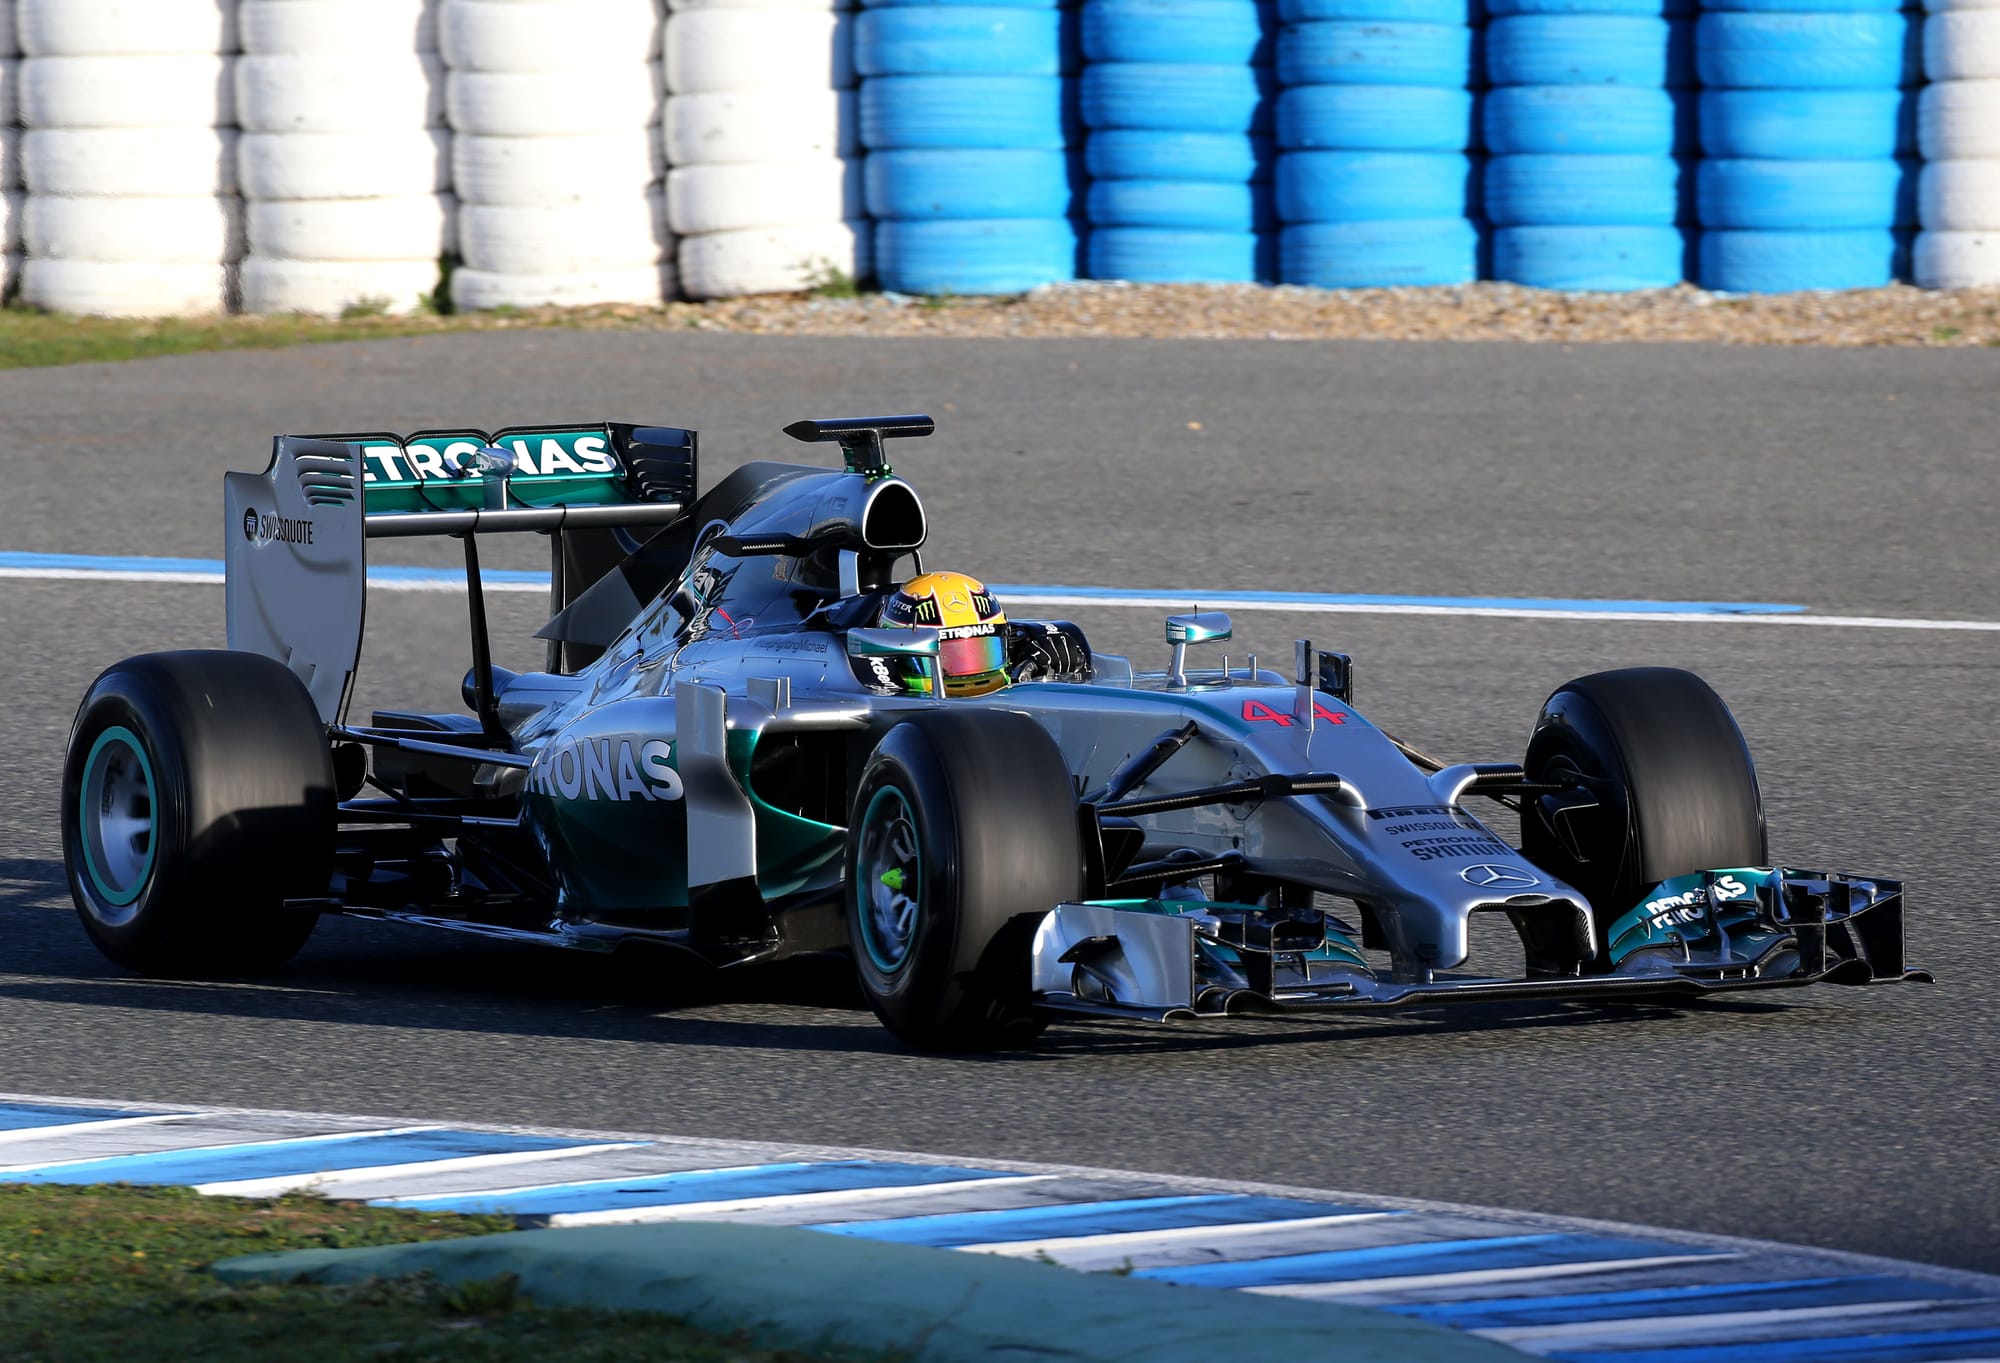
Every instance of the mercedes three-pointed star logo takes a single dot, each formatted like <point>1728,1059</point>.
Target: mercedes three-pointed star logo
<point>1490,877</point>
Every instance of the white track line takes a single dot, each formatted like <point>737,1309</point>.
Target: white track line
<point>1143,1239</point>
<point>373,1173</point>
<point>24,1134</point>
<point>1157,603</point>
<point>1668,1331</point>
<point>1358,1287</point>
<point>254,1143</point>
<point>833,1197</point>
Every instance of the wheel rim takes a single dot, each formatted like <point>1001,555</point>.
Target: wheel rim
<point>888,875</point>
<point>118,821</point>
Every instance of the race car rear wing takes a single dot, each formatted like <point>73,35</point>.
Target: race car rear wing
<point>296,564</point>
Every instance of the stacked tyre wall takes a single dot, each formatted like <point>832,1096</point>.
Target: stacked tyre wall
<point>1375,179</point>
<point>1177,97</point>
<point>129,155</point>
<point>969,116</point>
<point>1958,131</point>
<point>607,151</point>
<point>1591,126</point>
<point>557,162</point>
<point>344,162</point>
<point>763,134</point>
<point>1805,181</point>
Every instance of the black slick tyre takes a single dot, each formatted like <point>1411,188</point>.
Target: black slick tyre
<point>963,834</point>
<point>1675,788</point>
<point>197,796</point>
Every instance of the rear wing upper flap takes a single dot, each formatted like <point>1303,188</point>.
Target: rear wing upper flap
<point>539,478</point>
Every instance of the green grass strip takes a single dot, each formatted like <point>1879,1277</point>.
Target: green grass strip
<point>116,1274</point>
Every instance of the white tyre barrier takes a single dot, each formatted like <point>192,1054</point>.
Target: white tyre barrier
<point>10,91</point>
<point>1960,196</point>
<point>101,288</point>
<point>763,125</point>
<point>480,290</point>
<point>330,288</point>
<point>1957,260</point>
<point>773,259</point>
<point>127,92</point>
<point>541,172</point>
<point>1959,118</point>
<point>364,165</point>
<point>550,36</point>
<point>1963,45</point>
<point>322,27</point>
<point>277,94</point>
<point>11,204</point>
<point>129,161</point>
<point>418,227</point>
<point>767,194</point>
<point>581,238</point>
<point>75,28</point>
<point>710,51</point>
<point>561,104</point>
<point>10,157</point>
<point>179,230</point>
<point>10,43</point>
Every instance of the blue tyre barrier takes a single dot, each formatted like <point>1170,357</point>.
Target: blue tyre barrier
<point>1206,32</point>
<point>1760,51</point>
<point>1160,256</point>
<point>957,4</point>
<point>1666,9</point>
<point>1808,124</point>
<point>1194,205</point>
<point>959,40</point>
<point>1371,186</point>
<point>1138,154</point>
<point>1600,259</point>
<point>1174,98</point>
<point>1782,262</point>
<point>1344,52</point>
<point>1817,6</point>
<point>974,256</point>
<point>1590,49</point>
<point>1378,117</point>
<point>1587,118</point>
<point>1356,255</point>
<point>1394,11</point>
<point>1587,191</point>
<point>926,184</point>
<point>965,112</point>
<point>1822,195</point>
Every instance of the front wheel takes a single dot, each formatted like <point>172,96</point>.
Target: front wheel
<point>1674,786</point>
<point>198,795</point>
<point>963,834</point>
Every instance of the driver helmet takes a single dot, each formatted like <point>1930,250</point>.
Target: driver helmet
<point>972,650</point>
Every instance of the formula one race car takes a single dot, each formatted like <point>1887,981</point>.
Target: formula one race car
<point>748,742</point>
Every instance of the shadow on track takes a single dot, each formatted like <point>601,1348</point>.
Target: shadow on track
<point>371,974</point>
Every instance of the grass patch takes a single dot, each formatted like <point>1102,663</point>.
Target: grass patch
<point>30,339</point>
<point>114,1274</point>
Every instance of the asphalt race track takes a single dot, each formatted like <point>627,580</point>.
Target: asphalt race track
<point>1856,483</point>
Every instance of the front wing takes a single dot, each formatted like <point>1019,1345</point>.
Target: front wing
<point>1165,961</point>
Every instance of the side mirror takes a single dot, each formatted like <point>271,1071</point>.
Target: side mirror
<point>1203,627</point>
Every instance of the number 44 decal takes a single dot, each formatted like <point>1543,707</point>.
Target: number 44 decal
<point>1259,713</point>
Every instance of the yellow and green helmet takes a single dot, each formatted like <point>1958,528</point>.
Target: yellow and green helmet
<point>972,648</point>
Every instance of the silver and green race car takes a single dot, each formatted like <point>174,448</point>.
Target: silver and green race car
<point>725,755</point>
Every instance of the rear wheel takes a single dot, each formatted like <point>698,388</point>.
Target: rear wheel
<point>198,795</point>
<point>963,834</point>
<point>1675,788</point>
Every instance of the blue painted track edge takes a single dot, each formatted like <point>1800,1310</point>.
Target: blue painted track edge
<point>1526,1221</point>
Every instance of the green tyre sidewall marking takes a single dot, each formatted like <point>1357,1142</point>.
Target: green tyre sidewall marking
<point>864,917</point>
<point>118,898</point>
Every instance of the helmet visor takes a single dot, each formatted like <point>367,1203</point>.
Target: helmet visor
<point>972,657</point>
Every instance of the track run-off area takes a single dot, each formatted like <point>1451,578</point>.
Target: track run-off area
<point>1811,530</point>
